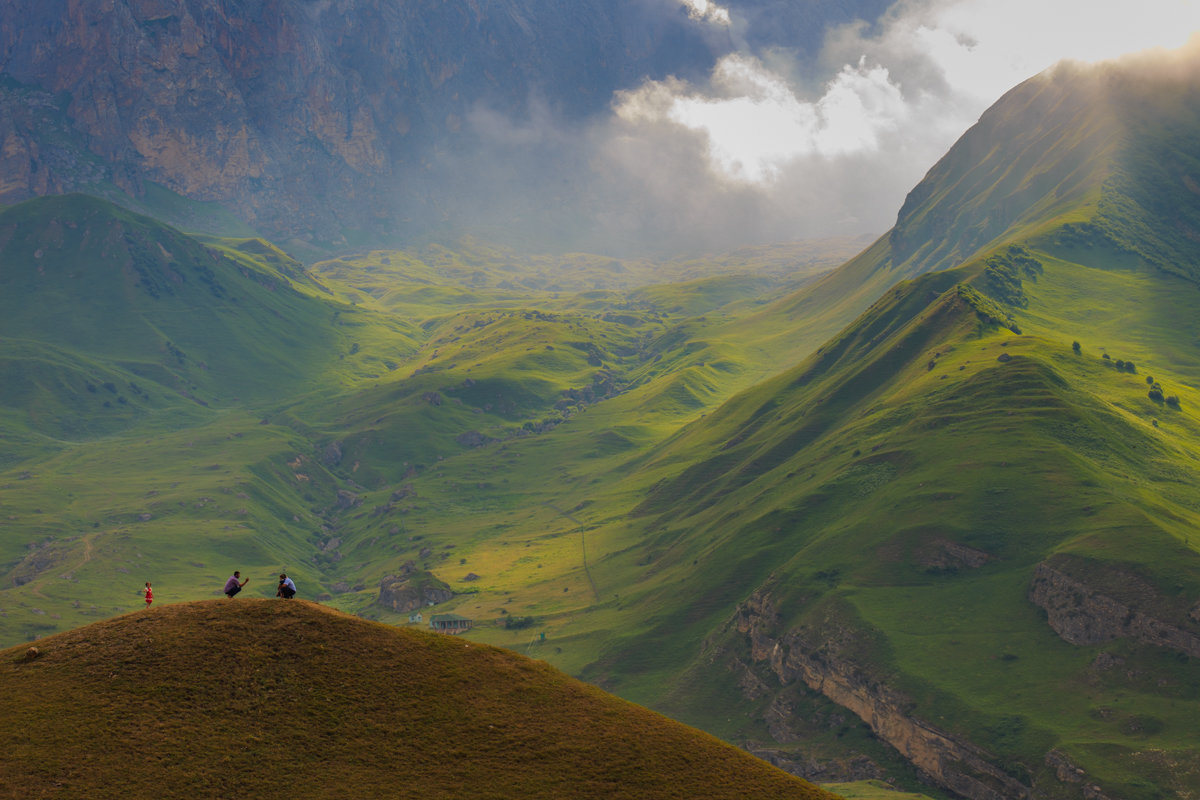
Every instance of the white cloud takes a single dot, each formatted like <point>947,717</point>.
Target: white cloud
<point>770,148</point>
<point>709,12</point>
<point>981,48</point>
<point>756,124</point>
<point>828,157</point>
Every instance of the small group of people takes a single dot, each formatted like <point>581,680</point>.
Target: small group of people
<point>286,588</point>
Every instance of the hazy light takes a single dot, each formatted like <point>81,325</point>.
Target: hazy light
<point>950,58</point>
<point>757,124</point>
<point>985,47</point>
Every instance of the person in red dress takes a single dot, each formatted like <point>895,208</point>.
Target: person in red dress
<point>149,594</point>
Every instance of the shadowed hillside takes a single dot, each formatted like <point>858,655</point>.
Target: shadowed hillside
<point>237,697</point>
<point>206,323</point>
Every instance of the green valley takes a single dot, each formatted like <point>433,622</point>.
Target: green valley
<point>926,518</point>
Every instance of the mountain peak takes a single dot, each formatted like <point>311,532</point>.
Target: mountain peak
<point>1108,144</point>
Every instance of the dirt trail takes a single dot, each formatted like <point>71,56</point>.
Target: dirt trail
<point>583,544</point>
<point>35,586</point>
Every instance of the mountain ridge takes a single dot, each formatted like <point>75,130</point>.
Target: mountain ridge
<point>925,459</point>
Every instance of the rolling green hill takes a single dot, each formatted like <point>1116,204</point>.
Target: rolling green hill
<point>287,411</point>
<point>268,697</point>
<point>78,273</point>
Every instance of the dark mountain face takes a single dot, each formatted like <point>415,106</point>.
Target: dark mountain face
<point>310,116</point>
<point>318,118</point>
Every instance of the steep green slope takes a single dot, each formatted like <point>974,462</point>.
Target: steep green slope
<point>898,522</point>
<point>933,488</point>
<point>79,274</point>
<point>934,509</point>
<point>263,697</point>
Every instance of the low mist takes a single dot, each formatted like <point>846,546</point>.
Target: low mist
<point>775,143</point>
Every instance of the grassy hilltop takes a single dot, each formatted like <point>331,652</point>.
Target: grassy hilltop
<point>253,696</point>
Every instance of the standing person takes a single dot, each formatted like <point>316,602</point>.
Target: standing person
<point>232,586</point>
<point>287,589</point>
<point>149,593</point>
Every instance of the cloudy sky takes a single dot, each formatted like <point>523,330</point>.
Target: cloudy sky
<point>773,146</point>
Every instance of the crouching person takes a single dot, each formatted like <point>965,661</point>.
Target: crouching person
<point>234,584</point>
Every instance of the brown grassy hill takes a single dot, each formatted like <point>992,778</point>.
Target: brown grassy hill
<point>224,698</point>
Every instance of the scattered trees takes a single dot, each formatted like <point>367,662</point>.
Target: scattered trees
<point>1121,364</point>
<point>1156,394</point>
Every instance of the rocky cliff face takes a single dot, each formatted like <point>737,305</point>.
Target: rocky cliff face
<point>366,118</point>
<point>305,115</point>
<point>41,152</point>
<point>1082,615</point>
<point>950,762</point>
<point>821,662</point>
<point>412,589</point>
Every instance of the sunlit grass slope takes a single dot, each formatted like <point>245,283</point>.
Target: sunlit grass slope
<point>844,488</point>
<point>955,413</point>
<point>267,697</point>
